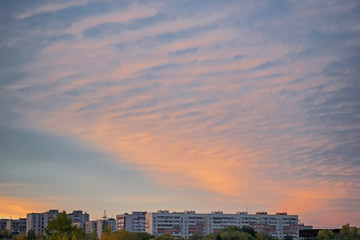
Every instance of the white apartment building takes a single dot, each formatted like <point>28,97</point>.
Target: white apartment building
<point>179,224</point>
<point>134,222</point>
<point>39,221</point>
<point>185,224</point>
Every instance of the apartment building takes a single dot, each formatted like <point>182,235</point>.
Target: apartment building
<point>3,224</point>
<point>185,224</point>
<point>39,221</point>
<point>103,223</point>
<point>16,226</point>
<point>134,222</point>
<point>79,218</point>
<point>179,224</point>
<point>91,226</point>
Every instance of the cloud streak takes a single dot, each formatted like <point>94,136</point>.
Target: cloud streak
<point>234,103</point>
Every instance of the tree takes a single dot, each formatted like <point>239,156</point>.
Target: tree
<point>61,228</point>
<point>21,236</point>
<point>5,234</point>
<point>345,230</point>
<point>120,235</point>
<point>91,236</point>
<point>210,237</point>
<point>166,236</point>
<point>288,237</point>
<point>249,230</point>
<point>262,235</point>
<point>142,236</point>
<point>325,234</point>
<point>196,236</point>
<point>31,235</point>
<point>235,233</point>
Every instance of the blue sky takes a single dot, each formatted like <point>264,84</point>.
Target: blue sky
<point>203,105</point>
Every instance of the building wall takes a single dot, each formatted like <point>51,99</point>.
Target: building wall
<point>16,226</point>
<point>39,221</point>
<point>79,218</point>
<point>134,222</point>
<point>188,223</point>
<point>102,224</point>
<point>179,224</point>
<point>91,226</point>
<point>3,224</point>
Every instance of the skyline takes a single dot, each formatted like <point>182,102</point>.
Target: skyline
<point>181,105</point>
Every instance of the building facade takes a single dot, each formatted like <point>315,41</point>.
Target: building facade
<point>79,218</point>
<point>179,224</point>
<point>3,224</point>
<point>103,223</point>
<point>134,222</point>
<point>39,221</point>
<point>185,224</point>
<point>91,226</point>
<point>16,226</point>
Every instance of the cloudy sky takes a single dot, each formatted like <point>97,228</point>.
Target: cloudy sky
<point>181,105</point>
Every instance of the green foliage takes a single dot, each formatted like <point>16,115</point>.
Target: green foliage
<point>31,235</point>
<point>21,236</point>
<point>266,236</point>
<point>166,236</point>
<point>4,234</point>
<point>249,230</point>
<point>325,234</point>
<point>287,237</point>
<point>196,236</point>
<point>235,233</point>
<point>346,230</point>
<point>61,228</point>
<point>211,236</point>
<point>142,236</point>
<point>91,236</point>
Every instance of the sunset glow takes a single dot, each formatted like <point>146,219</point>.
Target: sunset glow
<point>202,105</point>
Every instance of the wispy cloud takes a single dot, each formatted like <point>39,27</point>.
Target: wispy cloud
<point>51,7</point>
<point>235,103</point>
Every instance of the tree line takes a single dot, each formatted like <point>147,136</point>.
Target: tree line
<point>61,228</point>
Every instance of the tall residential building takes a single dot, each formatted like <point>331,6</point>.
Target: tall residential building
<point>79,218</point>
<point>39,221</point>
<point>134,222</point>
<point>185,224</point>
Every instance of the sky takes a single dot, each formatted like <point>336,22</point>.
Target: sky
<point>182,105</point>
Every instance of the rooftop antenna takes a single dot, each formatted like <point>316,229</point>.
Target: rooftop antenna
<point>247,209</point>
<point>104,217</point>
<point>285,210</point>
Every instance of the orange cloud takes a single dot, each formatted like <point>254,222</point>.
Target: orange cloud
<point>19,207</point>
